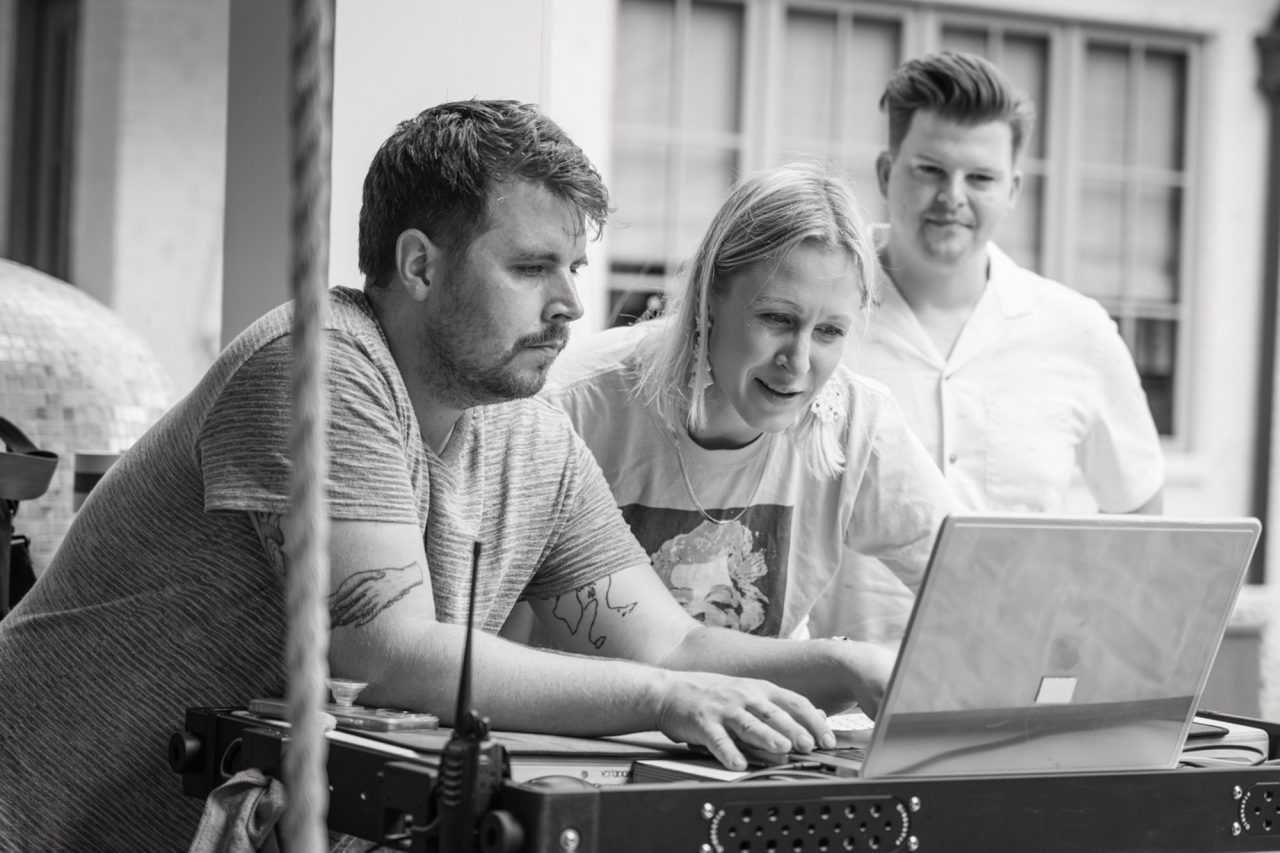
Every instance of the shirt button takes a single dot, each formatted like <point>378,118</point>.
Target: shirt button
<point>952,458</point>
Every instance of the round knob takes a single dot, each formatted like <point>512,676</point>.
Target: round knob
<point>186,752</point>
<point>500,832</point>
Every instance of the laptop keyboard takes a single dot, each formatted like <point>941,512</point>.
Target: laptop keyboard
<point>851,753</point>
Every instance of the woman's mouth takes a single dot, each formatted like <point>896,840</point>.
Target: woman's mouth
<point>781,394</point>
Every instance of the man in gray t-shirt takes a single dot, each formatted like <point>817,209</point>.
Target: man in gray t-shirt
<point>168,590</point>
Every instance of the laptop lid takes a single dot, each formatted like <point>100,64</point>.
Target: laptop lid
<point>1059,643</point>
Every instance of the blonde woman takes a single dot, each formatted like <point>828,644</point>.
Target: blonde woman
<point>747,461</point>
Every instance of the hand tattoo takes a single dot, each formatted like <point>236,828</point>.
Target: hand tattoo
<point>362,596</point>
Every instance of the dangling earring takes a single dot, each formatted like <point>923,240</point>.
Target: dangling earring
<point>828,404</point>
<point>693,377</point>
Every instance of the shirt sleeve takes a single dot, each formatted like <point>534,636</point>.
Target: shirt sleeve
<point>901,497</point>
<point>244,442</point>
<point>1120,455</point>
<point>591,540</point>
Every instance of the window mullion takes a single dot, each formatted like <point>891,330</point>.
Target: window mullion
<point>1072,146</point>
<point>758,93</point>
<point>1183,378</point>
<point>1131,186</point>
<point>840,90</point>
<point>679,141</point>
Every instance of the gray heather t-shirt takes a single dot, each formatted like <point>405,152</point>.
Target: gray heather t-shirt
<point>161,597</point>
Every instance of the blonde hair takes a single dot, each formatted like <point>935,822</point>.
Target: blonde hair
<point>765,216</point>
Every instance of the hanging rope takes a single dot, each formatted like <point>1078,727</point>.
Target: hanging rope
<point>307,646</point>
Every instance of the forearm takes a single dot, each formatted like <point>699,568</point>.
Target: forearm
<point>827,672</point>
<point>383,631</point>
<point>516,687</point>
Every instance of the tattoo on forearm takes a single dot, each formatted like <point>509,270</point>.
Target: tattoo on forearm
<point>582,606</point>
<point>362,596</point>
<point>267,526</point>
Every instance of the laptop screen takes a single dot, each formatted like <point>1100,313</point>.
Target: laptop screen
<point>1052,643</point>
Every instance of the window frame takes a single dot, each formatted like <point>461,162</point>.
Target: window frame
<point>1129,308</point>
<point>1060,168</point>
<point>678,138</point>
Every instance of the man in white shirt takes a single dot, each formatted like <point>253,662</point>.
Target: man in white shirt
<point>1012,382</point>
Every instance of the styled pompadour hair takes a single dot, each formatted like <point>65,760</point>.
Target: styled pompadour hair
<point>961,87</point>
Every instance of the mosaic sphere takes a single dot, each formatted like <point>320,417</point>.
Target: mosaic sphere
<point>73,377</point>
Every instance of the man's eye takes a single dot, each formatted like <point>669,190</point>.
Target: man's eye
<point>530,269</point>
<point>777,319</point>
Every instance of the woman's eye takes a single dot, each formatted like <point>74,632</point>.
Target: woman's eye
<point>778,319</point>
<point>831,331</point>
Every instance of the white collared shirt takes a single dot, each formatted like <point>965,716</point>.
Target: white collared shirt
<point>1038,383</point>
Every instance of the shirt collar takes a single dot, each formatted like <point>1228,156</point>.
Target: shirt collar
<point>1003,276</point>
<point>1004,279</point>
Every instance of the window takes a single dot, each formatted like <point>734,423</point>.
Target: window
<point>837,61</point>
<point>706,89</point>
<point>1129,247</point>
<point>678,142</point>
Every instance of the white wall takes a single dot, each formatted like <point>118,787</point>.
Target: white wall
<point>147,210</point>
<point>393,59</point>
<point>555,53</point>
<point>396,59</point>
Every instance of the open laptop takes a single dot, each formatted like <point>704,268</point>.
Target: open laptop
<point>1056,644</point>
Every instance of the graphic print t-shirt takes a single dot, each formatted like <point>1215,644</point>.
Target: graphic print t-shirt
<point>763,569</point>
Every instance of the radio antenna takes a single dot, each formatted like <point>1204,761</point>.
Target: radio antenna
<point>464,717</point>
<point>473,767</point>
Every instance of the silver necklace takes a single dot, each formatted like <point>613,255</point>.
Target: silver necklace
<point>688,485</point>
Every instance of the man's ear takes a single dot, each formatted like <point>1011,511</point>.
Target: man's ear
<point>884,163</point>
<point>419,262</point>
<point>1016,187</point>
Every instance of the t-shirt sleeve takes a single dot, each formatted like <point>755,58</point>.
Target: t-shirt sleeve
<point>244,442</point>
<point>591,539</point>
<point>901,497</point>
<point>1120,456</point>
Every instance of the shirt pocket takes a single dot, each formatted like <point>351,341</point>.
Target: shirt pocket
<point>1031,442</point>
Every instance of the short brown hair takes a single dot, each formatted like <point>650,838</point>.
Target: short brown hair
<point>436,171</point>
<point>962,87</point>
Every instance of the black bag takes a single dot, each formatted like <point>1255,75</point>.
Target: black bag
<point>25,472</point>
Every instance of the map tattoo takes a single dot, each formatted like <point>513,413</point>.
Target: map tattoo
<point>584,607</point>
<point>362,596</point>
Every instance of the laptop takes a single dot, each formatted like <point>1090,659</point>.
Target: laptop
<point>1056,644</point>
